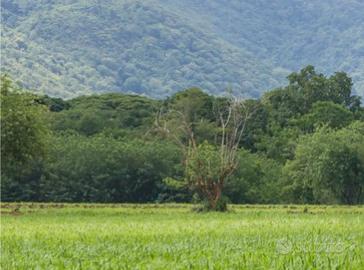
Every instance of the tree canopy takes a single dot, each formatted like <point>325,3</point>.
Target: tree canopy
<point>302,143</point>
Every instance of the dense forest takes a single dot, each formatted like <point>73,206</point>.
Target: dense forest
<point>303,143</point>
<point>69,48</point>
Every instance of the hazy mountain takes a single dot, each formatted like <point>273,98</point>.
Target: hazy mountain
<point>68,48</point>
<point>328,34</point>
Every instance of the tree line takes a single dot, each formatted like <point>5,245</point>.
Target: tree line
<point>302,143</point>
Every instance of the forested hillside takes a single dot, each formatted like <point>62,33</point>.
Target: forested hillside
<point>302,143</point>
<point>291,33</point>
<point>141,47</point>
<point>68,48</point>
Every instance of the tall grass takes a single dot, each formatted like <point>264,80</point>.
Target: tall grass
<point>91,236</point>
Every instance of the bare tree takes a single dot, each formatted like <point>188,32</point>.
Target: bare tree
<point>207,167</point>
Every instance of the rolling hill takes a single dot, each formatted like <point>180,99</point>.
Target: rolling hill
<point>155,48</point>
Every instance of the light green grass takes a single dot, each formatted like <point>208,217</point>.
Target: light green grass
<point>173,237</point>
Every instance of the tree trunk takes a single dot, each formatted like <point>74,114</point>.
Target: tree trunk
<point>213,201</point>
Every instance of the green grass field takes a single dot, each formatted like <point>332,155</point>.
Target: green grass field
<point>91,236</point>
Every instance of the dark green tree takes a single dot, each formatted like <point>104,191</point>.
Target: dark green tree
<point>328,167</point>
<point>324,113</point>
<point>24,134</point>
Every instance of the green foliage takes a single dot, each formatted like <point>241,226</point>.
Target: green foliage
<point>325,113</point>
<point>279,144</point>
<point>309,100</point>
<point>204,163</point>
<point>115,114</point>
<point>67,49</point>
<point>257,179</point>
<point>104,148</point>
<point>23,128</point>
<point>195,109</point>
<point>103,169</point>
<point>256,125</point>
<point>315,87</point>
<point>289,33</point>
<point>54,104</point>
<point>305,88</point>
<point>328,167</point>
<point>193,103</point>
<point>99,169</point>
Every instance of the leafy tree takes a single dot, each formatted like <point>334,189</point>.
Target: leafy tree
<point>256,180</point>
<point>282,104</point>
<point>328,167</point>
<point>340,91</point>
<point>24,135</point>
<point>256,125</point>
<point>193,103</point>
<point>305,88</point>
<point>23,127</point>
<point>116,114</point>
<point>54,104</point>
<point>325,113</point>
<point>310,85</point>
<point>104,169</point>
<point>90,123</point>
<point>279,144</point>
<point>104,147</point>
<point>208,167</point>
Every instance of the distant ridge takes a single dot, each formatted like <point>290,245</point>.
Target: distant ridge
<point>155,48</point>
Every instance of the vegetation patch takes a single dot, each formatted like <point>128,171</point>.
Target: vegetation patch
<point>119,236</point>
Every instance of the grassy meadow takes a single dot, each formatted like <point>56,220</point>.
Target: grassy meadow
<point>128,236</point>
